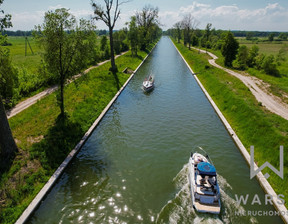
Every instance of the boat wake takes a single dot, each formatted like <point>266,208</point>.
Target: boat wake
<point>180,209</point>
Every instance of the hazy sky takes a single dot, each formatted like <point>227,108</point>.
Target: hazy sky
<point>261,15</point>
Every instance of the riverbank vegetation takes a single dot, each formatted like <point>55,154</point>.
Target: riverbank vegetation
<point>276,51</point>
<point>31,71</point>
<point>261,54</point>
<point>253,124</point>
<point>44,140</point>
<point>31,74</point>
<point>43,137</point>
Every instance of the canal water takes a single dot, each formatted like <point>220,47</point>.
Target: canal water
<point>133,168</point>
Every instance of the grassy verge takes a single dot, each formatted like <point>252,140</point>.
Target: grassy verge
<point>44,140</point>
<point>253,124</point>
<point>279,85</point>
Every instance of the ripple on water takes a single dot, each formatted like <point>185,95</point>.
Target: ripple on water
<point>180,209</point>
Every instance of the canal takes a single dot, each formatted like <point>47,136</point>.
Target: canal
<point>133,168</point>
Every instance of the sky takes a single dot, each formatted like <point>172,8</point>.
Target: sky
<point>249,15</point>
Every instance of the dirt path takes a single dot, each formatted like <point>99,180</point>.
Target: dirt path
<point>258,88</point>
<point>30,101</point>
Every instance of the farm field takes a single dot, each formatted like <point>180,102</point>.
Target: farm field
<point>17,53</point>
<point>264,47</point>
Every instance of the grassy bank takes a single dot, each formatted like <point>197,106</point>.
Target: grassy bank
<point>253,124</point>
<point>277,85</point>
<point>44,140</point>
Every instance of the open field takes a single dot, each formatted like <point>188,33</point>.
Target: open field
<point>265,47</point>
<point>17,53</point>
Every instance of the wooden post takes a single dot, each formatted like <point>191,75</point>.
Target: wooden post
<point>27,41</point>
<point>25,46</point>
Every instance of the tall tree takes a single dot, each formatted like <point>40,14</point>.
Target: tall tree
<point>178,28</point>
<point>8,74</point>
<point>189,24</point>
<point>253,53</point>
<point>242,57</point>
<point>207,33</point>
<point>64,52</point>
<point>109,16</point>
<point>145,21</point>
<point>229,49</point>
<point>270,67</point>
<point>8,147</point>
<point>119,39</point>
<point>103,43</point>
<point>133,36</point>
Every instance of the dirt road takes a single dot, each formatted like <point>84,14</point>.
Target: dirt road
<point>30,101</point>
<point>258,88</point>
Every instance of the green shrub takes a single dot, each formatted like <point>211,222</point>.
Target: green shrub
<point>270,67</point>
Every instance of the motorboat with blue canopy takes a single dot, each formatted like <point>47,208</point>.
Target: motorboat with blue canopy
<point>205,191</point>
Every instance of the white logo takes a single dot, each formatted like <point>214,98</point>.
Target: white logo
<point>253,172</point>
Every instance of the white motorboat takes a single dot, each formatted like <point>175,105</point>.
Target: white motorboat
<point>204,187</point>
<point>148,84</point>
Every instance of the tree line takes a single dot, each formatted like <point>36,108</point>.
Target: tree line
<point>249,35</point>
<point>70,46</point>
<point>23,33</point>
<point>187,31</point>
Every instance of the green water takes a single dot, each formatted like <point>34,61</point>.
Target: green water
<point>133,168</point>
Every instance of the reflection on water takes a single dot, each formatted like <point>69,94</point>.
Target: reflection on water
<point>180,209</point>
<point>128,170</point>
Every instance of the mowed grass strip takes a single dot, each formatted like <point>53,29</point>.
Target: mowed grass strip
<point>44,141</point>
<point>253,124</point>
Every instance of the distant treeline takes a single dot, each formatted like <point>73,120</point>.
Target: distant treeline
<point>238,33</point>
<point>29,33</point>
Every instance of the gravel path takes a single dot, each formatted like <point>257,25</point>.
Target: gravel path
<point>30,101</point>
<point>258,88</point>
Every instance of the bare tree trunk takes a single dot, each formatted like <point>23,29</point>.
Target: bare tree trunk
<point>8,147</point>
<point>62,80</point>
<point>113,65</point>
<point>62,96</point>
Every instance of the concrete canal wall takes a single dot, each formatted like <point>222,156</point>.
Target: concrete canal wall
<point>262,180</point>
<point>48,186</point>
